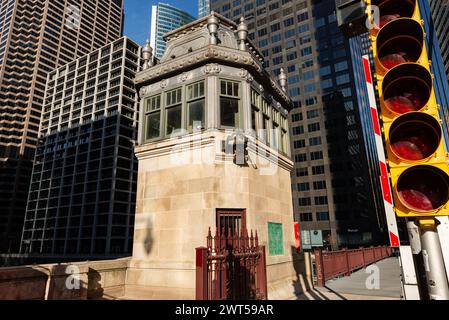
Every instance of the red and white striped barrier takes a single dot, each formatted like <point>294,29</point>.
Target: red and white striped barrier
<point>384,179</point>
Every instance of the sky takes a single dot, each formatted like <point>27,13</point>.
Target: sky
<point>138,15</point>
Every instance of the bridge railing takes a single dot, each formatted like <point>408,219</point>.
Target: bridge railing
<point>331,264</point>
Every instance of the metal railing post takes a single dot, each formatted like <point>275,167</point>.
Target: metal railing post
<point>262,274</point>
<point>201,274</point>
<point>348,266</point>
<point>363,258</point>
<point>320,279</point>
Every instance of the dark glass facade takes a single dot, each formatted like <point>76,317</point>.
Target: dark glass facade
<point>335,177</point>
<point>82,196</point>
<point>435,23</point>
<point>38,36</point>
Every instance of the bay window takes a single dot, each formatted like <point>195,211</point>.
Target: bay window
<point>229,104</point>
<point>173,111</point>
<point>195,106</point>
<point>153,117</point>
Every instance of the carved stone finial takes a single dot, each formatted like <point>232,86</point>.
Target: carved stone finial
<point>242,34</point>
<point>147,55</point>
<point>212,26</point>
<point>283,80</point>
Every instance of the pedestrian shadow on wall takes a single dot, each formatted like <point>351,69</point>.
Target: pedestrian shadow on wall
<point>95,290</point>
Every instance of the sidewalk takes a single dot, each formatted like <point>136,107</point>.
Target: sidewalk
<point>354,288</point>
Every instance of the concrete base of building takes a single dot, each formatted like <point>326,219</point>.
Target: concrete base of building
<point>124,279</point>
<point>134,292</point>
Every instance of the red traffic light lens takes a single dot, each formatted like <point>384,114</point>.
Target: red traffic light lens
<point>400,41</point>
<point>415,136</point>
<point>423,188</point>
<point>393,9</point>
<point>407,88</point>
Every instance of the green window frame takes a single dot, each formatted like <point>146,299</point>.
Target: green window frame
<point>266,122</point>
<point>276,129</point>
<point>284,136</point>
<point>255,110</point>
<point>152,107</point>
<point>275,239</point>
<point>173,111</point>
<point>196,106</point>
<point>230,115</point>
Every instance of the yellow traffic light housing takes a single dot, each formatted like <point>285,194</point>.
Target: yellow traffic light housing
<point>399,41</point>
<point>421,190</point>
<point>411,123</point>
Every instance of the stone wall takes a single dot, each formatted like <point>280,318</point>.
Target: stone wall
<point>97,280</point>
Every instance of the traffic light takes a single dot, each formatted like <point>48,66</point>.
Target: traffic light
<point>409,111</point>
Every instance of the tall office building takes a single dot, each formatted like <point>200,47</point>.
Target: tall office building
<point>435,14</point>
<point>165,18</point>
<point>439,10</point>
<point>332,181</point>
<point>203,8</point>
<point>83,186</point>
<point>36,37</point>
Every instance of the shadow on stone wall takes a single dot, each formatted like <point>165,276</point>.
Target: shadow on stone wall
<point>95,290</point>
<point>25,283</point>
<point>301,284</point>
<point>78,281</point>
<point>148,242</point>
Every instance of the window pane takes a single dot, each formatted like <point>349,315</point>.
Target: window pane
<point>229,112</point>
<point>174,97</point>
<point>189,92</point>
<point>254,114</point>
<point>229,89</point>
<point>153,123</point>
<point>196,115</point>
<point>173,119</point>
<point>266,130</point>
<point>201,93</point>
<point>236,90</point>
<point>223,87</point>
<point>152,103</point>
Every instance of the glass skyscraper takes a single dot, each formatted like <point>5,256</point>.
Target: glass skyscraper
<point>439,11</point>
<point>165,18</point>
<point>334,181</point>
<point>203,8</point>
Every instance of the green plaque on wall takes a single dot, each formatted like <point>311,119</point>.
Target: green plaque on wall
<point>275,239</point>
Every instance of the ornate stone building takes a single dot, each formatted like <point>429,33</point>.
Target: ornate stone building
<point>206,92</point>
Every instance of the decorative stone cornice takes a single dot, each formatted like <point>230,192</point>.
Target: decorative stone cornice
<point>210,54</point>
<point>212,68</point>
<point>246,75</point>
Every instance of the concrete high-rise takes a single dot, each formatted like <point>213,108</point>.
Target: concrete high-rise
<point>203,8</point>
<point>332,182</point>
<point>165,18</point>
<point>38,36</point>
<point>83,186</point>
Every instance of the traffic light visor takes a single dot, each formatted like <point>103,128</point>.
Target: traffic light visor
<point>415,136</point>
<point>390,10</point>
<point>406,88</point>
<point>423,188</point>
<point>400,41</point>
